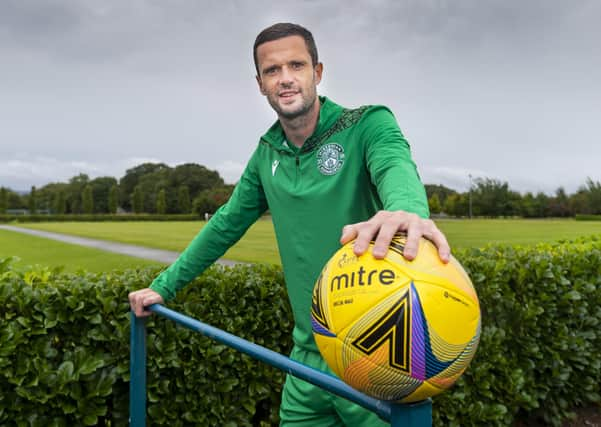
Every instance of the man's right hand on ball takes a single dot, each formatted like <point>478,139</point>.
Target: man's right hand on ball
<point>138,300</point>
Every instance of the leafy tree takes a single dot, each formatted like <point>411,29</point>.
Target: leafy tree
<point>528,206</point>
<point>113,199</point>
<point>101,188</point>
<point>209,201</point>
<point>559,206</point>
<point>151,184</point>
<point>74,191</point>
<point>183,199</point>
<point>579,203</point>
<point>87,200</point>
<point>440,190</point>
<point>491,197</point>
<point>594,195</point>
<point>3,200</point>
<point>434,203</point>
<point>152,177</point>
<point>15,201</point>
<point>456,205</point>
<point>60,203</point>
<point>132,178</point>
<point>137,200</point>
<point>32,201</point>
<point>196,177</point>
<point>47,195</point>
<point>541,204</point>
<point>161,202</point>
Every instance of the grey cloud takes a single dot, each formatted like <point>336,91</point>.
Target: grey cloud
<point>476,85</point>
<point>29,20</point>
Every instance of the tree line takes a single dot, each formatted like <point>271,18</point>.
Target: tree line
<point>192,188</point>
<point>146,188</point>
<point>493,198</point>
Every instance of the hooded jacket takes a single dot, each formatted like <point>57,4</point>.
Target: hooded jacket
<point>356,163</point>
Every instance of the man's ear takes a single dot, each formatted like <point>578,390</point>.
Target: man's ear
<point>318,71</point>
<point>260,84</point>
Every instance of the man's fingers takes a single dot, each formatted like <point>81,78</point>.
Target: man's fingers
<point>440,241</point>
<point>349,232</point>
<point>387,231</point>
<point>366,232</point>
<point>362,232</point>
<point>385,224</point>
<point>138,300</point>
<point>414,232</point>
<point>429,230</point>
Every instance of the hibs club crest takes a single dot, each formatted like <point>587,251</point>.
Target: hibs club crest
<point>330,158</point>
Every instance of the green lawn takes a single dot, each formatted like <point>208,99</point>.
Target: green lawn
<point>479,232</point>
<point>36,250</point>
<point>259,245</point>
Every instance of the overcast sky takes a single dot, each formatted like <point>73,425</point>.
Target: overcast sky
<point>504,89</point>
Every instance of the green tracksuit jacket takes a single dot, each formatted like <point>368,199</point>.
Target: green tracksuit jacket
<point>356,163</point>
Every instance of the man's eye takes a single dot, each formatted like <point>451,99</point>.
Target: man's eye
<point>270,71</point>
<point>297,65</point>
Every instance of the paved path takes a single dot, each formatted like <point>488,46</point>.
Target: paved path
<point>160,255</point>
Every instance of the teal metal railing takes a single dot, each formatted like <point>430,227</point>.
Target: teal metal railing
<point>399,415</point>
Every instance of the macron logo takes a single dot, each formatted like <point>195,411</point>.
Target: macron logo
<point>274,166</point>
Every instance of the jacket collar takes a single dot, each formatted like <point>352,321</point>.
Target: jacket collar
<point>328,114</point>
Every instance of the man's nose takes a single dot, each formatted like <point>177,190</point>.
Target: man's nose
<point>286,76</point>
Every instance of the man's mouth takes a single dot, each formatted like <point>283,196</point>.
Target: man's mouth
<point>287,93</point>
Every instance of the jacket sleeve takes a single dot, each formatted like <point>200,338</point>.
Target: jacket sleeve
<point>389,162</point>
<point>224,229</point>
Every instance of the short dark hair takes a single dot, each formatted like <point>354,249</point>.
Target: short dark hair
<point>281,30</point>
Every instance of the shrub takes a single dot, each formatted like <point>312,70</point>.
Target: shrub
<point>64,343</point>
<point>64,349</point>
<point>582,217</point>
<point>540,348</point>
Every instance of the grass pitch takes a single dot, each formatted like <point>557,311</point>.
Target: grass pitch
<point>39,251</point>
<point>480,232</point>
<point>259,244</point>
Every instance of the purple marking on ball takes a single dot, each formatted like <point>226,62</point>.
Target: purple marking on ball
<point>319,329</point>
<point>418,361</point>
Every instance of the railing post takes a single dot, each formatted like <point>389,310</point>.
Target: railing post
<point>137,372</point>
<point>417,414</point>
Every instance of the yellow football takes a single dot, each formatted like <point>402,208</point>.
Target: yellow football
<point>395,329</point>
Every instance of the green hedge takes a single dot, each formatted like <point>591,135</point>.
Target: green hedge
<point>582,217</point>
<point>64,349</point>
<point>64,344</point>
<point>99,217</point>
<point>540,349</point>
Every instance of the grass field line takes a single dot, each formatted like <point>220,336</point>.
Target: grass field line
<point>161,255</point>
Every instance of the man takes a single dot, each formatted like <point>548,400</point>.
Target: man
<point>319,169</point>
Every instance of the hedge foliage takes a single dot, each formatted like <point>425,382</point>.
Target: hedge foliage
<point>64,344</point>
<point>540,348</point>
<point>64,349</point>
<point>582,217</point>
<point>98,217</point>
